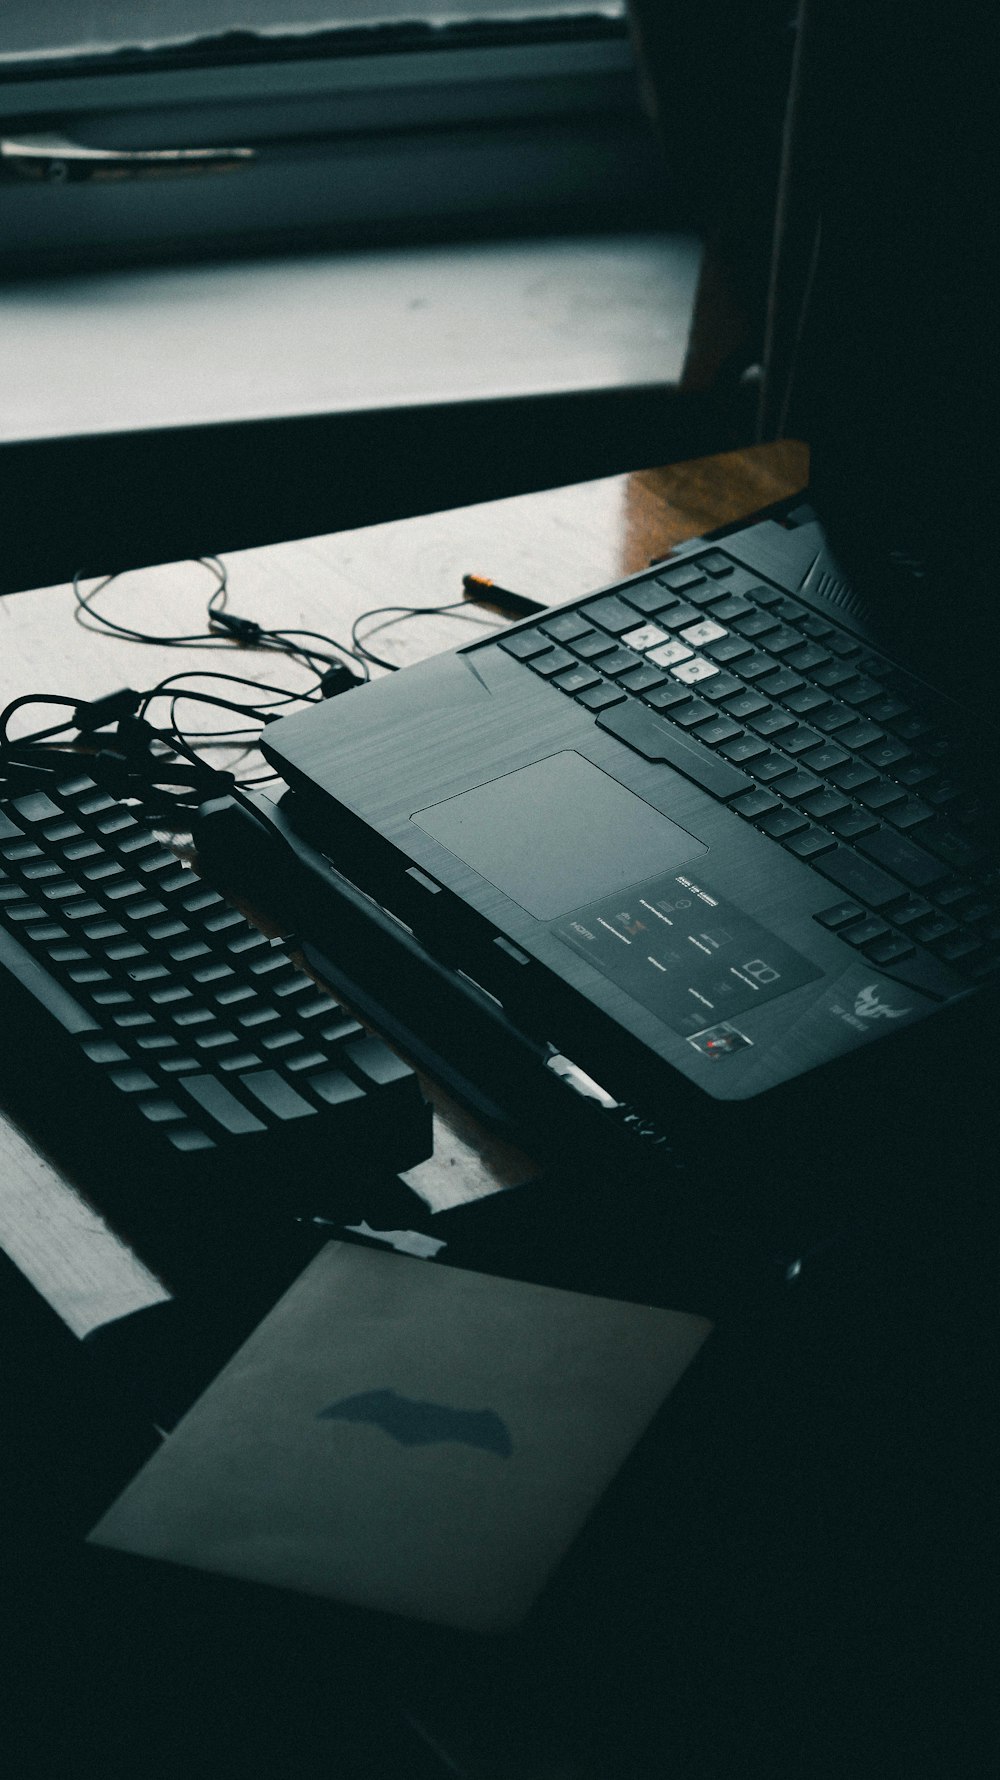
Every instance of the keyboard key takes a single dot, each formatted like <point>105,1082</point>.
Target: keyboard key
<point>917,868</point>
<point>599,698</point>
<point>729,649</point>
<point>744,748</point>
<point>886,752</point>
<point>592,644</point>
<point>645,636</point>
<point>718,729</point>
<point>669,654</point>
<point>885,951</point>
<point>714,563</point>
<point>669,697</point>
<point>705,631</point>
<point>831,719</point>
<point>839,915</point>
<point>836,675</point>
<point>525,643</point>
<point>858,735</point>
<point>35,808</point>
<point>796,741</point>
<point>577,679</point>
<point>825,757</point>
<point>214,1098</point>
<point>690,672</point>
<point>806,700</point>
<point>730,607</point>
<point>565,626</point>
<point>610,613</point>
<point>913,909</point>
<point>862,932</point>
<point>934,927</point>
<point>643,679</point>
<point>922,971</point>
<point>695,710</point>
<point>648,596</point>
<point>809,844</point>
<point>771,766</point>
<point>777,823</point>
<point>852,775</point>
<point>771,721</point>
<point>824,803</point>
<point>746,703</point>
<point>780,682</point>
<point>806,656</point>
<point>852,824</point>
<point>276,1095</point>
<point>755,803</point>
<point>551,661</point>
<point>618,661</point>
<point>757,624</point>
<point>796,784</point>
<point>859,877</point>
<point>880,795</point>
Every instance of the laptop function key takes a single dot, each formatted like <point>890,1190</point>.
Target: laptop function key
<point>610,613</point>
<point>525,643</point>
<point>565,626</point>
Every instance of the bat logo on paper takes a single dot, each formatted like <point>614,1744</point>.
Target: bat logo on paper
<point>414,1423</point>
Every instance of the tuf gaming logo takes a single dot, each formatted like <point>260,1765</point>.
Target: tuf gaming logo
<point>868,1006</point>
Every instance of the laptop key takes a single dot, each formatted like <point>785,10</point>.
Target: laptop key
<point>810,843</point>
<point>780,822</point>
<point>839,915</point>
<point>551,661</point>
<point>899,854</point>
<point>577,679</point>
<point>755,803</point>
<point>922,971</point>
<point>565,626</point>
<point>525,643</point>
<point>599,698</point>
<point>610,613</point>
<point>859,877</point>
<point>656,740</point>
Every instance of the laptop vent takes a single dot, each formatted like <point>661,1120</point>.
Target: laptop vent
<point>833,588</point>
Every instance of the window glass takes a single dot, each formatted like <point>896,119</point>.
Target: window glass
<point>80,26</point>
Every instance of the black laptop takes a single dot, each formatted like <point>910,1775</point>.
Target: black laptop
<point>702,831</point>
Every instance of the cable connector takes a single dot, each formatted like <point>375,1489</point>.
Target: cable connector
<point>94,713</point>
<point>337,679</point>
<point>245,630</point>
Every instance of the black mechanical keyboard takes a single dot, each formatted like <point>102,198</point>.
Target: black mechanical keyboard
<point>831,749</point>
<point>162,1016</point>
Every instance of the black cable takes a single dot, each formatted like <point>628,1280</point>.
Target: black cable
<point>399,614</point>
<point>36,698</point>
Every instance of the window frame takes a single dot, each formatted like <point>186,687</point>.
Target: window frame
<point>358,136</point>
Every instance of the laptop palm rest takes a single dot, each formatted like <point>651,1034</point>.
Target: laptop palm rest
<point>558,834</point>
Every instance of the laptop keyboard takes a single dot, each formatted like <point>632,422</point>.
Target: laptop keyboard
<point>805,732</point>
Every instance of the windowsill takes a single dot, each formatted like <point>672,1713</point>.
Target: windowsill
<point>156,413</point>
<point>145,349</point>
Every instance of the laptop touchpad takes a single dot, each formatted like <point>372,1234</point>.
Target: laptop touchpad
<point>557,834</point>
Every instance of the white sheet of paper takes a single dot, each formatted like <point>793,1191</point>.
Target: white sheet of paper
<point>407,1437</point>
